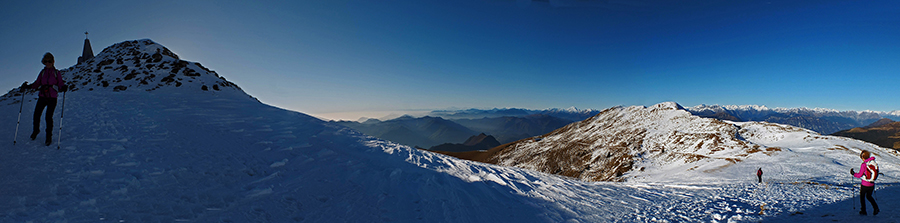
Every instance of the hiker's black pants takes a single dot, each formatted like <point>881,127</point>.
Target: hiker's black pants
<point>50,104</point>
<point>866,193</point>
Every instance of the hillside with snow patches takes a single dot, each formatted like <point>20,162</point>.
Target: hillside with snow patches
<point>157,151</point>
<point>666,143</point>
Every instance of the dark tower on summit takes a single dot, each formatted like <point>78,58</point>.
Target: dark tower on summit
<point>87,53</point>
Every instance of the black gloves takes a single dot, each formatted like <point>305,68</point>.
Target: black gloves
<point>25,86</point>
<point>852,172</point>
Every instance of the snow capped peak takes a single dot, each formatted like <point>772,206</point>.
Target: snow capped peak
<point>572,109</point>
<point>895,113</point>
<point>704,106</point>
<point>748,107</point>
<point>718,108</point>
<point>822,120</point>
<point>144,65</point>
<point>135,47</point>
<point>668,106</point>
<point>763,108</point>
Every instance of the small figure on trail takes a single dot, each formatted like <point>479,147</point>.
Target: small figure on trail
<point>49,83</point>
<point>759,174</point>
<point>868,171</point>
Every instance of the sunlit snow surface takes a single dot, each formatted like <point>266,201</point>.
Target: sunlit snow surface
<point>170,156</point>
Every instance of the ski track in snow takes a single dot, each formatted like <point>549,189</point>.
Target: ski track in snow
<point>169,157</point>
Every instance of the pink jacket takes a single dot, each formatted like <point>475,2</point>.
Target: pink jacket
<point>51,77</point>
<point>862,172</point>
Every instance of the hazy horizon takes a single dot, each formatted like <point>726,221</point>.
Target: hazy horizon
<point>386,115</point>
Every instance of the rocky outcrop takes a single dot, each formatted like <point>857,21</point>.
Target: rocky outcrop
<point>142,65</point>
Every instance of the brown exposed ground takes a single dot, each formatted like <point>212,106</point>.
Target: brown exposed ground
<point>610,144</point>
<point>884,133</point>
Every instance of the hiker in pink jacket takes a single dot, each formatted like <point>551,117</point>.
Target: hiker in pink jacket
<point>868,172</point>
<point>49,83</point>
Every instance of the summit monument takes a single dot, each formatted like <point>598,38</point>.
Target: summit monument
<point>87,53</point>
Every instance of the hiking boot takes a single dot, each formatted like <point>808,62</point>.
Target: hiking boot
<point>34,135</point>
<point>49,141</point>
<point>876,211</point>
<point>862,213</point>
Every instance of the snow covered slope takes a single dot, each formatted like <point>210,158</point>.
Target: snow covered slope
<point>666,143</point>
<point>187,155</point>
<point>171,156</point>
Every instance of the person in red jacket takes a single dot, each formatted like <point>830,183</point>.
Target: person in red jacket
<point>49,83</point>
<point>868,172</point>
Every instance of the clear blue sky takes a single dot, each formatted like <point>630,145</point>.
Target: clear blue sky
<point>333,56</point>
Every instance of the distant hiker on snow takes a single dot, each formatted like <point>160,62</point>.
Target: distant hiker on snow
<point>759,174</point>
<point>868,171</point>
<point>49,83</point>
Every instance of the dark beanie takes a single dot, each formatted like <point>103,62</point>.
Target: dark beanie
<point>47,57</point>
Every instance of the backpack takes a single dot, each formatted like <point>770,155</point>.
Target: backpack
<point>871,172</point>
<point>45,88</point>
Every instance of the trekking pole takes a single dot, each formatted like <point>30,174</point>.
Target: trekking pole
<point>851,191</point>
<point>62,111</point>
<point>16,136</point>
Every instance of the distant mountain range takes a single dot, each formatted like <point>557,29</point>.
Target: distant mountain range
<point>571,114</point>
<point>423,132</point>
<point>884,133</point>
<point>445,126</point>
<point>823,121</point>
<point>508,129</point>
<point>512,124</point>
<point>474,143</point>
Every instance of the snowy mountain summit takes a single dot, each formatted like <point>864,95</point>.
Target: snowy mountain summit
<point>142,65</point>
<point>666,143</point>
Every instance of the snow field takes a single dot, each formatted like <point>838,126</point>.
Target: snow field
<point>174,156</point>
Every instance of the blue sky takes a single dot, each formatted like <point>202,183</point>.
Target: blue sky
<point>360,57</point>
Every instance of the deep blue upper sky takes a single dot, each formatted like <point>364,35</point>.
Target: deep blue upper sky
<point>322,57</point>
